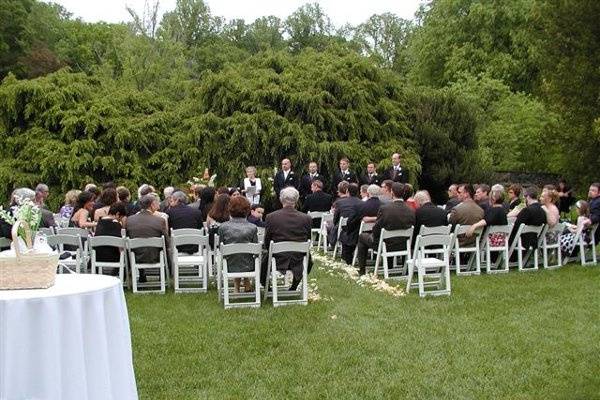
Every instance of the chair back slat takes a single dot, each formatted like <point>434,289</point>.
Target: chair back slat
<point>286,247</point>
<point>145,242</point>
<point>532,229</point>
<point>62,239</point>
<point>109,241</point>
<point>462,229</point>
<point>424,242</point>
<point>506,229</point>
<point>73,231</point>
<point>316,214</point>
<point>193,239</point>
<point>240,248</point>
<point>186,231</point>
<point>435,230</point>
<point>398,233</point>
<point>366,227</point>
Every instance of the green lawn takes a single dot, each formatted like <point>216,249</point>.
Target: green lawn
<point>533,335</point>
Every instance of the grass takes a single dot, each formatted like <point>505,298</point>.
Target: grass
<point>533,335</point>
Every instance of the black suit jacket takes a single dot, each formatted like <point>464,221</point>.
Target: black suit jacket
<point>392,175</point>
<point>280,183</point>
<point>306,182</point>
<point>318,201</point>
<point>287,225</point>
<point>429,215</point>
<point>393,216</point>
<point>182,216</point>
<point>533,214</point>
<point>376,179</point>
<point>369,208</point>
<point>349,177</point>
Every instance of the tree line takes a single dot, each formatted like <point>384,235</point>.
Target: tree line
<point>467,88</point>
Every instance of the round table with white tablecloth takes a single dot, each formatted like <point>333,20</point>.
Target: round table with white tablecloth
<point>71,341</point>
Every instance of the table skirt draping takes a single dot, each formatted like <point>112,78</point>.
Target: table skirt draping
<point>71,341</point>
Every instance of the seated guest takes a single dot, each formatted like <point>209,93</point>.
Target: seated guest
<point>159,213</point>
<point>366,211</point>
<point>514,198</point>
<point>41,194</point>
<point>427,213</point>
<point>197,194</point>
<point>494,215</point>
<point>567,239</point>
<point>239,230</point>
<point>167,192</point>
<point>385,196</point>
<point>345,206</point>
<point>407,195</point>
<point>594,202</point>
<point>317,201</point>
<point>108,197</point>
<point>81,213</point>
<point>287,224</point>
<point>70,202</point>
<point>533,214</point>
<point>452,197</point>
<point>467,212</point>
<point>392,216</point>
<point>181,216</point>
<point>251,186</point>
<point>256,215</point>
<point>207,199</point>
<point>307,180</point>
<point>218,214</point>
<point>146,224</point>
<point>125,197</point>
<point>110,225</point>
<point>371,177</point>
<point>549,199</point>
<point>364,195</point>
<point>482,193</point>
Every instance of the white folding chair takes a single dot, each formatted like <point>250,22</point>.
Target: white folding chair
<point>582,245</point>
<point>341,225</point>
<point>121,265</point>
<point>503,251</point>
<point>190,271</point>
<point>548,246</point>
<point>160,266</point>
<point>326,218</point>
<point>47,231</point>
<point>435,230</point>
<point>474,250</point>
<point>314,232</point>
<point>224,275</point>
<point>364,227</point>
<point>517,245</point>
<point>432,264</point>
<point>76,257</point>
<point>383,253</point>
<point>272,286</point>
<point>83,234</point>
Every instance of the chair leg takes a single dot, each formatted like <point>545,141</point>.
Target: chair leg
<point>274,287</point>
<point>421,277</point>
<point>225,286</point>
<point>409,277</point>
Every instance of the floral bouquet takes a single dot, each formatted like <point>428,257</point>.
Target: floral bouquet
<point>25,210</point>
<point>206,180</point>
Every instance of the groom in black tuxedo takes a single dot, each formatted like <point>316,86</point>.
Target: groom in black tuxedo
<point>307,180</point>
<point>371,177</point>
<point>344,174</point>
<point>396,173</point>
<point>284,178</point>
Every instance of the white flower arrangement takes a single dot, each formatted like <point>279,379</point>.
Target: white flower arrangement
<point>25,210</point>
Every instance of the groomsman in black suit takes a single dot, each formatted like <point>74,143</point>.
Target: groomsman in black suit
<point>307,180</point>
<point>284,178</point>
<point>344,174</point>
<point>371,177</point>
<point>396,173</point>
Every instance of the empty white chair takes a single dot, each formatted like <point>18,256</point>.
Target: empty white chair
<point>314,232</point>
<point>76,257</point>
<point>83,234</point>
<point>225,275</point>
<point>326,219</point>
<point>517,245</point>
<point>383,253</point>
<point>272,286</point>
<point>432,264</point>
<point>550,241</point>
<point>364,227</point>
<point>492,243</point>
<point>160,265</point>
<point>109,241</point>
<point>341,225</point>
<point>191,270</point>
<point>473,249</point>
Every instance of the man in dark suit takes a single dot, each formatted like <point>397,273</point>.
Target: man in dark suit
<point>453,200</point>
<point>533,214</point>
<point>345,206</point>
<point>285,178</point>
<point>392,216</point>
<point>147,225</point>
<point>344,174</point>
<point>307,180</point>
<point>427,213</point>
<point>365,211</point>
<point>317,201</point>
<point>181,216</point>
<point>287,225</point>
<point>371,177</point>
<point>482,196</point>
<point>396,173</point>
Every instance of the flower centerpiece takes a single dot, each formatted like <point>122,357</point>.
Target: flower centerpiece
<point>206,180</point>
<point>26,211</point>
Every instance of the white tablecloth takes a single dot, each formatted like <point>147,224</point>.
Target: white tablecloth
<point>71,341</point>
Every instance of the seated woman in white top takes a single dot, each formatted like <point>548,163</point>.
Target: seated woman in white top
<point>549,199</point>
<point>251,186</point>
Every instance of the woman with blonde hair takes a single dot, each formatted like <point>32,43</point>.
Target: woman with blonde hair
<point>70,202</point>
<point>252,186</point>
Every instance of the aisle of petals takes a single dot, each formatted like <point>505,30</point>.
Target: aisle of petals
<point>371,281</point>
